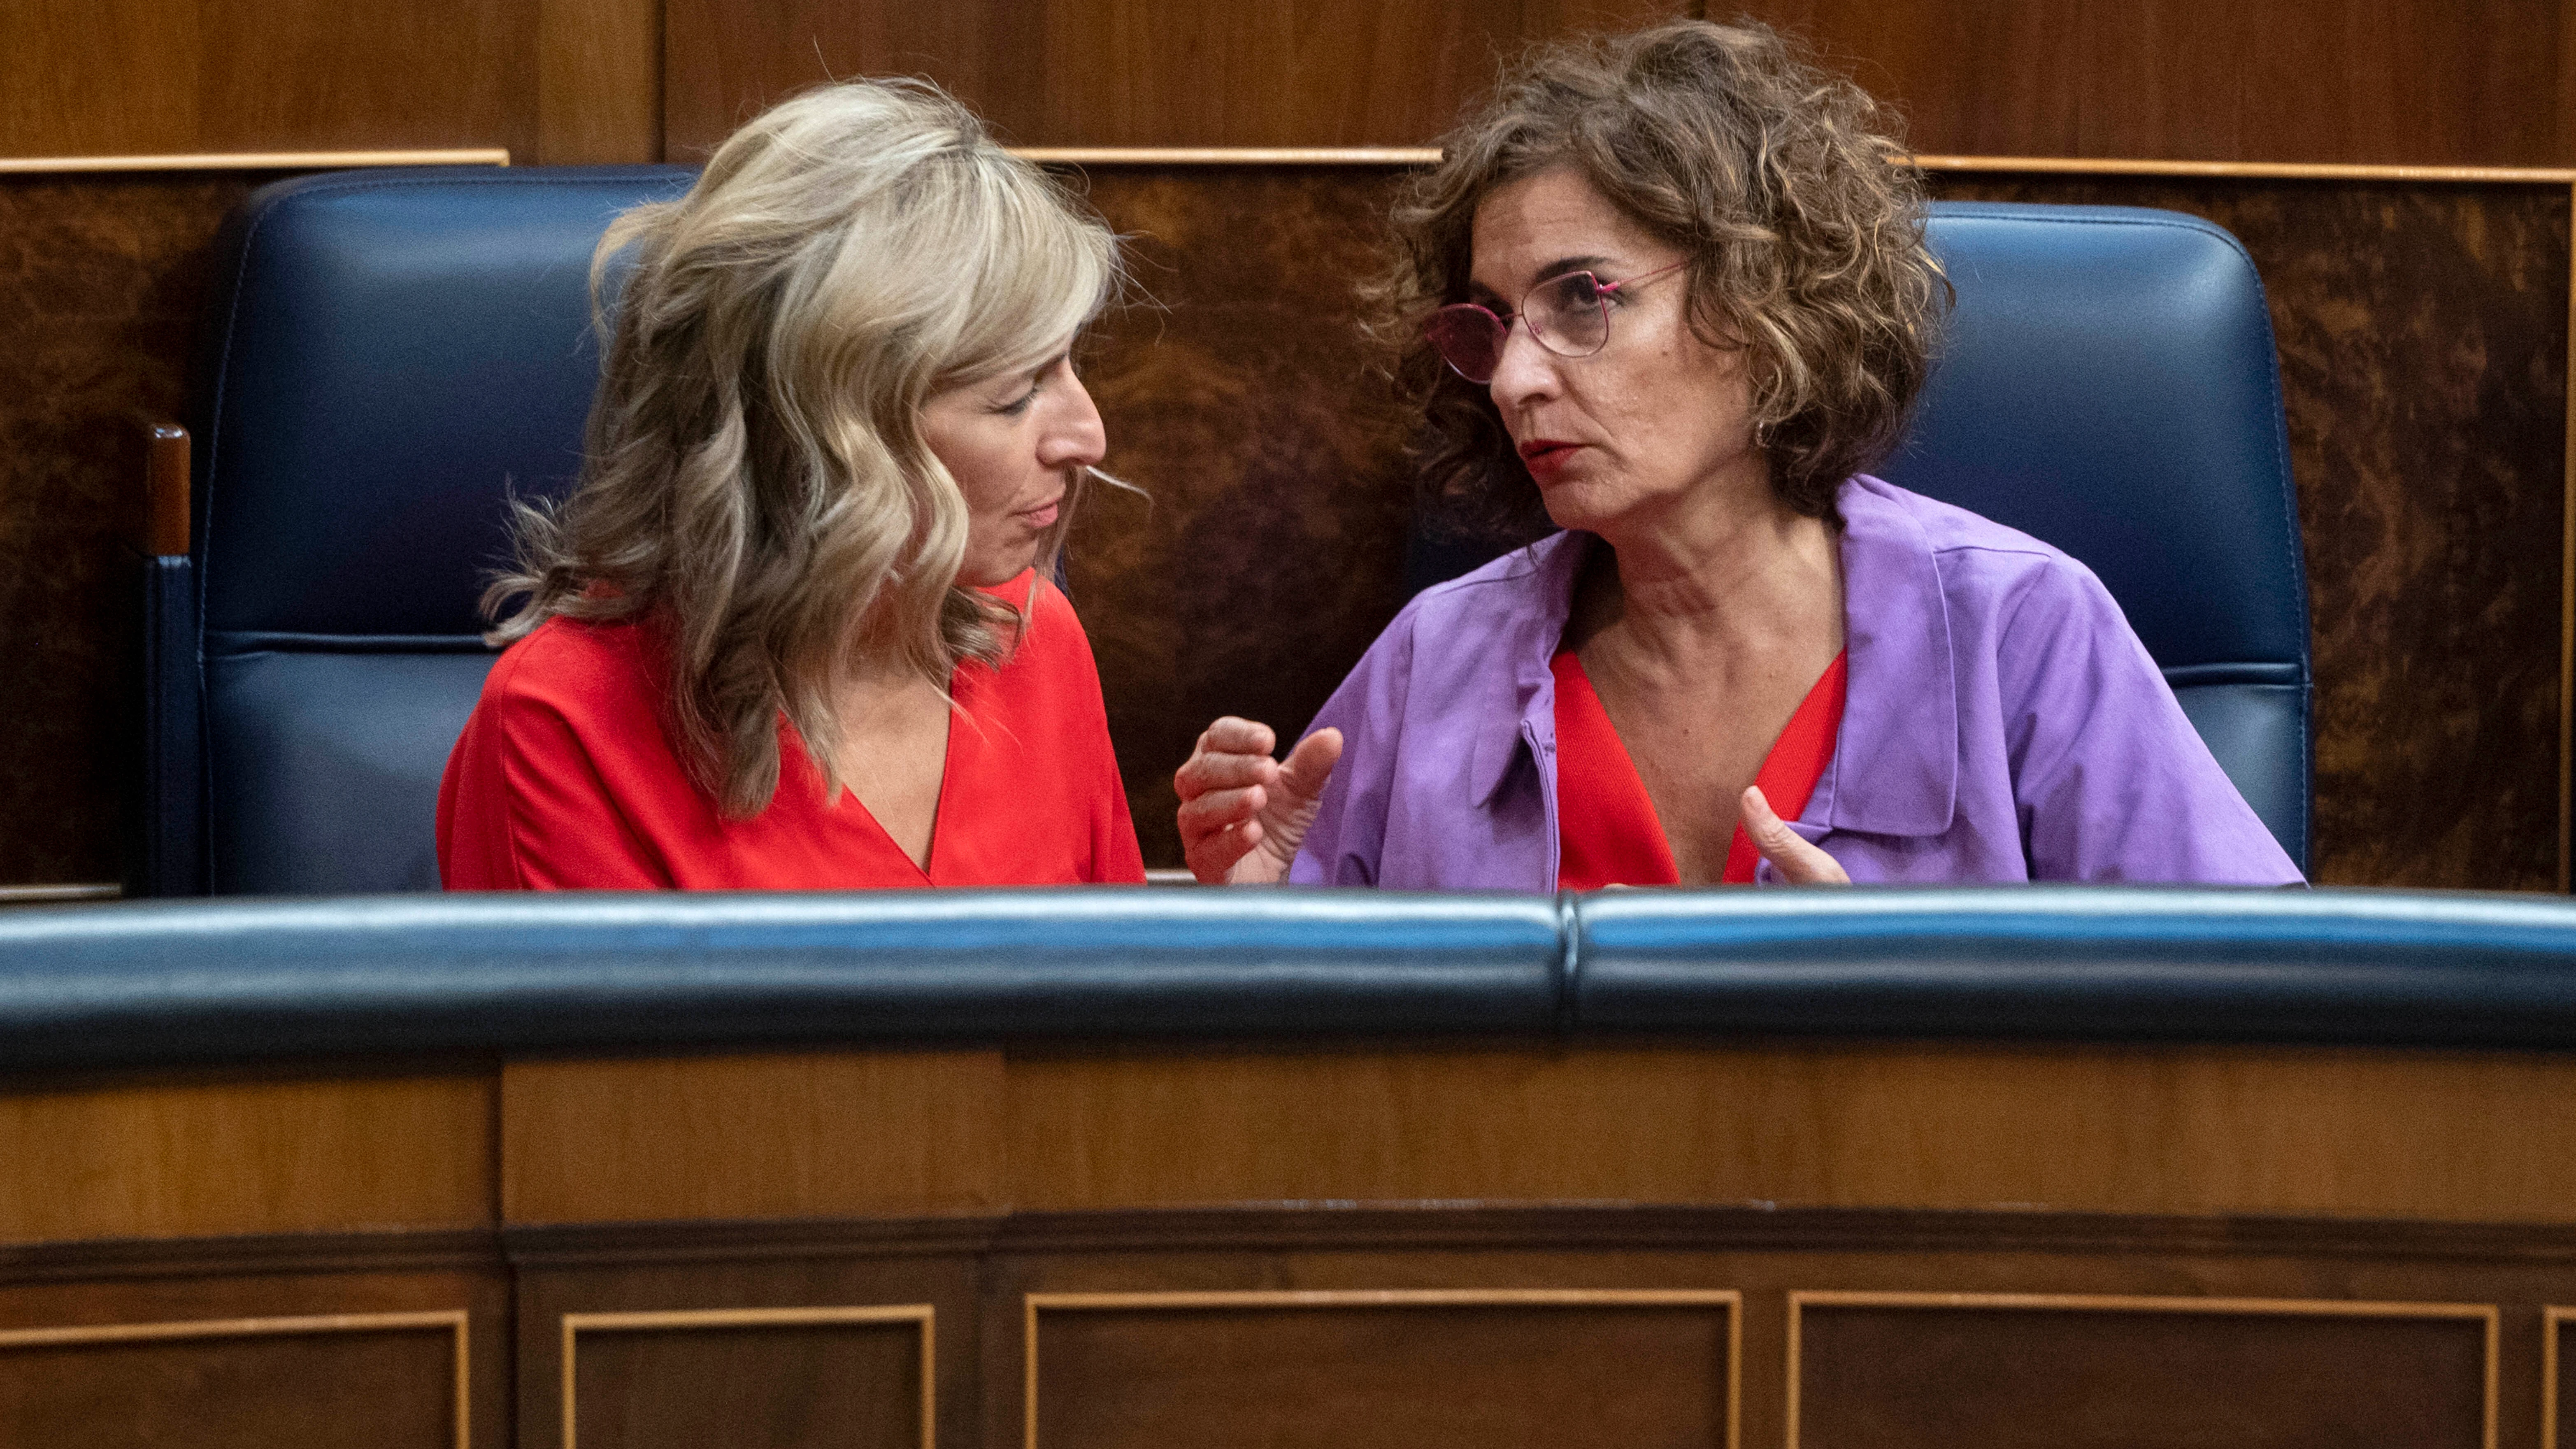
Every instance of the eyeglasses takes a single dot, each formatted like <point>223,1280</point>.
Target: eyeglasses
<point>1568,315</point>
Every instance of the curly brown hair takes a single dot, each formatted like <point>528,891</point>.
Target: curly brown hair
<point>1786,187</point>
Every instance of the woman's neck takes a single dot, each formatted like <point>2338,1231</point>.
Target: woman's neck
<point>1754,576</point>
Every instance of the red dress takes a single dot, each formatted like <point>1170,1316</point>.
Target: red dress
<point>1607,830</point>
<point>564,779</point>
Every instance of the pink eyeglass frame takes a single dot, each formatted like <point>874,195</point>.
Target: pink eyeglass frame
<point>1503,325</point>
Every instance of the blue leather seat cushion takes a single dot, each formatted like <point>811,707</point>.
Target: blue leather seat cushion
<point>326,772</point>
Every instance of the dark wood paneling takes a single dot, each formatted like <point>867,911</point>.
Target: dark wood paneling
<point>142,76</point>
<point>1127,72</point>
<point>1272,548</point>
<point>2420,82</point>
<point>1395,1375</point>
<point>258,1155</point>
<point>599,82</point>
<point>366,1390</point>
<point>2423,336</point>
<point>584,1141</point>
<point>2559,1413</point>
<point>316,1385</point>
<point>101,279</point>
<point>2389,81</point>
<point>2456,1137</point>
<point>748,1386</point>
<point>849,1386</point>
<point>1931,1377</point>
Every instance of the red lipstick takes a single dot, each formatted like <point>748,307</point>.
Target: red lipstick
<point>1544,456</point>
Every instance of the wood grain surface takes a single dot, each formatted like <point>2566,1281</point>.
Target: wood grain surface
<point>2020,1375</point>
<point>766,1379</point>
<point>265,75</point>
<point>187,1356</point>
<point>2388,81</point>
<point>799,1135</point>
<point>208,1156</point>
<point>2190,1130</point>
<point>790,1383</point>
<point>1127,72</point>
<point>1326,1370</point>
<point>308,1389</point>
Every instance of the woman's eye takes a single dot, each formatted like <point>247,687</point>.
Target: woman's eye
<point>1020,405</point>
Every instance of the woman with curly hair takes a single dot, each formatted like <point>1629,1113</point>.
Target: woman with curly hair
<point>1670,292</point>
<point>793,630</point>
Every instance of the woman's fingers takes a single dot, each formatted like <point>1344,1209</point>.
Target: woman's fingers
<point>1798,862</point>
<point>1224,785</point>
<point>1230,753</point>
<point>1243,813</point>
<point>1310,765</point>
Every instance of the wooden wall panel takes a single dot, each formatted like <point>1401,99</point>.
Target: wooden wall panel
<point>780,1379</point>
<point>1271,550</point>
<point>362,1386</point>
<point>799,1341</point>
<point>214,1157</point>
<point>2418,82</point>
<point>101,279</point>
<point>839,1134</point>
<point>2179,1130</point>
<point>1940,1373</point>
<point>1127,72</point>
<point>1323,1370</point>
<point>2183,1130</point>
<point>233,1352</point>
<point>148,76</point>
<point>2558,1378</point>
<point>599,82</point>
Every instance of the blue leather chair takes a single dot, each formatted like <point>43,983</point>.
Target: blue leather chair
<point>388,353</point>
<point>2109,385</point>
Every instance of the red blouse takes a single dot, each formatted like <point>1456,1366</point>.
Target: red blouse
<point>564,779</point>
<point>1607,831</point>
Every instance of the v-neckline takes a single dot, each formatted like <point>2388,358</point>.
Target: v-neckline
<point>927,867</point>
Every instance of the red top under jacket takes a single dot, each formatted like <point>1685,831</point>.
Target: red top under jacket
<point>1607,832</point>
<point>564,779</point>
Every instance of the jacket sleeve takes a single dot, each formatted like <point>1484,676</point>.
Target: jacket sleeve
<point>1343,845</point>
<point>2111,781</point>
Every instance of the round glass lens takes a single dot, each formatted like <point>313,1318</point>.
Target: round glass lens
<point>1468,338</point>
<point>1569,314</point>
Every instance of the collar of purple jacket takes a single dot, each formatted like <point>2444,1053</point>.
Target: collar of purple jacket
<point>1896,631</point>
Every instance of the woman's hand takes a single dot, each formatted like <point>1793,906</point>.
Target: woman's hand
<point>1242,812</point>
<point>1797,862</point>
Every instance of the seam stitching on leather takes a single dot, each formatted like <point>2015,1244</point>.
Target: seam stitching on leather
<point>1568,964</point>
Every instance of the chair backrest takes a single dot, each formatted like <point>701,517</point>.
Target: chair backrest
<point>2108,384</point>
<point>345,520</point>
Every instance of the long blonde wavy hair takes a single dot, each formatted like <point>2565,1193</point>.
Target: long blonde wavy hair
<point>755,473</point>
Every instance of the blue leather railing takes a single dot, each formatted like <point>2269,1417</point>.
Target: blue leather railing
<point>267,980</point>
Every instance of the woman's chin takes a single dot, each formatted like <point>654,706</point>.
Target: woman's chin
<point>995,569</point>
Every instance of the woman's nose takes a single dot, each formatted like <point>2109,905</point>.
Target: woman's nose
<point>1524,371</point>
<point>1075,437</point>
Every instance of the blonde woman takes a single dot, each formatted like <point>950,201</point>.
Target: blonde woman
<point>794,630</point>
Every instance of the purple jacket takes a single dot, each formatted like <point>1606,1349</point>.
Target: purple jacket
<point>2001,723</point>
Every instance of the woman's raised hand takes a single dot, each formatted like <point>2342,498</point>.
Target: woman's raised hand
<point>1797,862</point>
<point>1242,812</point>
